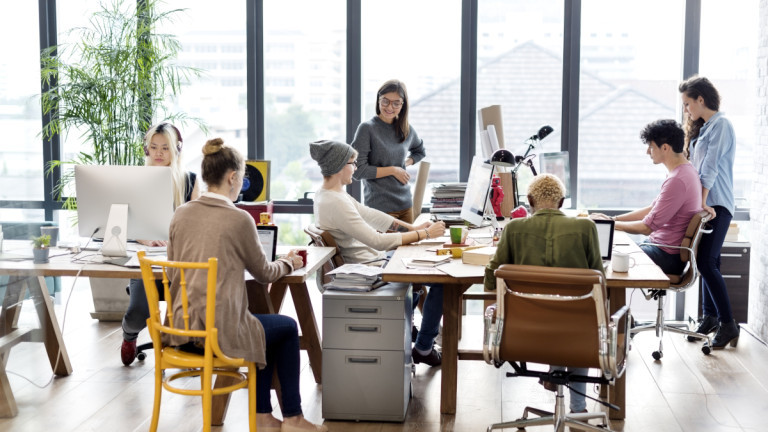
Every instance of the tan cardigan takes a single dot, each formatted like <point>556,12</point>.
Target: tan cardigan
<point>213,227</point>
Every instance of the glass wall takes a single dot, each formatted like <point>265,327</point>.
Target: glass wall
<point>418,48</point>
<point>728,51</point>
<point>20,118</point>
<point>631,64</point>
<point>304,88</point>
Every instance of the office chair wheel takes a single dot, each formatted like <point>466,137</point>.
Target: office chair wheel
<point>706,349</point>
<point>141,356</point>
<point>657,355</point>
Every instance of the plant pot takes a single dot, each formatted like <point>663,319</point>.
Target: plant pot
<point>40,255</point>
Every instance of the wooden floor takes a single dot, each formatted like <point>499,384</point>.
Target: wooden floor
<point>686,391</point>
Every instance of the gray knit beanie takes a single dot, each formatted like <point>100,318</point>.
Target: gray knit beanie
<point>330,155</point>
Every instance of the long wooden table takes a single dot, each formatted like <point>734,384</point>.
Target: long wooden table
<point>645,274</point>
<point>28,276</point>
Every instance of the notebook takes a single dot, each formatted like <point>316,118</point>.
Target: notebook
<point>605,238</point>
<point>268,238</point>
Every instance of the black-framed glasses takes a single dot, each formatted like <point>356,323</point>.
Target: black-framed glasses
<point>352,163</point>
<point>395,104</point>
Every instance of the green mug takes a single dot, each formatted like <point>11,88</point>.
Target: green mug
<point>458,234</point>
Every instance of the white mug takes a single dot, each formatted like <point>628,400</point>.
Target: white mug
<point>621,262</point>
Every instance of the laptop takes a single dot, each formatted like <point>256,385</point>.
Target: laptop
<point>268,238</point>
<point>605,238</point>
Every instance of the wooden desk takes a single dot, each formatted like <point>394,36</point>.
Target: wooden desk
<point>27,275</point>
<point>645,274</point>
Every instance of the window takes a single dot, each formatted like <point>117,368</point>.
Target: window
<point>520,68</point>
<point>21,163</point>
<point>394,46</point>
<point>729,39</point>
<point>304,50</point>
<point>213,38</point>
<point>625,83</point>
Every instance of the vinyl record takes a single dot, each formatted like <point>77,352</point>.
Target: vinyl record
<point>256,181</point>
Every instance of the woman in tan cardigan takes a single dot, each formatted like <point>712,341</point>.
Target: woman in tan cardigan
<point>212,226</point>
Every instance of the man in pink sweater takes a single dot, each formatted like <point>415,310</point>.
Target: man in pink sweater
<point>666,219</point>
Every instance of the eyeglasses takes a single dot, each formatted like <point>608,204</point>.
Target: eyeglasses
<point>395,104</point>
<point>352,163</point>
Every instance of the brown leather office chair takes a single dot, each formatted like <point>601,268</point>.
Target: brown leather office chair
<point>555,316</point>
<point>678,283</point>
<point>323,238</point>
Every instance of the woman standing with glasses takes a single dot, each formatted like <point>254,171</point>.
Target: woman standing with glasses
<point>386,145</point>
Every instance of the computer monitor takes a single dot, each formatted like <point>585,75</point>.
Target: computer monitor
<point>268,240</point>
<point>557,164</point>
<point>123,202</point>
<point>476,195</point>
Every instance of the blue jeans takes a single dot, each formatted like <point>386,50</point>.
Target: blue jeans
<point>578,402</point>
<point>714,295</point>
<point>282,340</point>
<point>430,318</point>
<point>135,318</point>
<point>669,263</point>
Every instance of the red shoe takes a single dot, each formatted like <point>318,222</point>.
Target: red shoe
<point>128,352</point>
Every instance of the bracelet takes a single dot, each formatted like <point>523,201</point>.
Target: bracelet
<point>426,232</point>
<point>418,236</point>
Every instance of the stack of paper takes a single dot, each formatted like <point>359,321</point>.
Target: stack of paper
<point>428,261</point>
<point>355,277</point>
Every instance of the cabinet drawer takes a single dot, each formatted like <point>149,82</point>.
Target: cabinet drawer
<point>365,334</point>
<point>365,385</point>
<point>362,308</point>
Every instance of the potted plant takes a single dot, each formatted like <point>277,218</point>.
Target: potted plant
<point>106,89</point>
<point>40,248</point>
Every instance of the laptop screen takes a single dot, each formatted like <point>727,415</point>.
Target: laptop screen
<point>605,237</point>
<point>268,238</point>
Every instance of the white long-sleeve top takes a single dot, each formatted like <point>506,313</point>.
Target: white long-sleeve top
<point>359,231</point>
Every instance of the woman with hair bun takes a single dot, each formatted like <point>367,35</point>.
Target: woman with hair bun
<point>212,226</point>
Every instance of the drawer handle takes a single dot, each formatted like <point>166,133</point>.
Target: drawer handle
<point>362,310</point>
<point>731,255</point>
<point>363,329</point>
<point>731,276</point>
<point>362,360</point>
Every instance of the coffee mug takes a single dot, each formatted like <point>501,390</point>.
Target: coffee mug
<point>621,262</point>
<point>303,254</point>
<point>458,234</point>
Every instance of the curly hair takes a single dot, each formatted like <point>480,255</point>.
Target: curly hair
<point>694,87</point>
<point>664,132</point>
<point>546,188</point>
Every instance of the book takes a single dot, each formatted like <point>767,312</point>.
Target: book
<point>355,277</point>
<point>480,256</point>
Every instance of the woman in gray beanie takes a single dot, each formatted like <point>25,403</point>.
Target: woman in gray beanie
<point>363,233</point>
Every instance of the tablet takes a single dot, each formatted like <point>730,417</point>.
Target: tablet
<point>268,238</point>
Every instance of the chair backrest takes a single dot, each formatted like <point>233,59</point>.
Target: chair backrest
<point>180,301</point>
<point>325,239</point>
<point>688,250</point>
<point>556,316</point>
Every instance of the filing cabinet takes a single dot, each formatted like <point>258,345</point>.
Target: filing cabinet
<point>367,353</point>
<point>734,265</point>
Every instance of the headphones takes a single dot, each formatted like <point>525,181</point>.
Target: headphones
<point>160,128</point>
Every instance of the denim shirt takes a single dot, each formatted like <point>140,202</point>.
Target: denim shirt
<point>712,154</point>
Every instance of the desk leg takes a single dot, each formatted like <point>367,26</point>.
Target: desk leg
<point>49,326</point>
<point>310,335</point>
<point>451,310</point>
<point>617,392</point>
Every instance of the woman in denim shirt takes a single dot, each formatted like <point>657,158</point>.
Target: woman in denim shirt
<point>712,145</point>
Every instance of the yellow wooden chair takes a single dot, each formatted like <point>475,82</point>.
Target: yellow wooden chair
<point>212,362</point>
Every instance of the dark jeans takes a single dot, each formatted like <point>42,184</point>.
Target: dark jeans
<point>669,263</point>
<point>282,340</point>
<point>135,318</point>
<point>714,296</point>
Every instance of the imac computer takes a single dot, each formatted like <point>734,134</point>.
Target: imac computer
<point>476,196</point>
<point>123,202</point>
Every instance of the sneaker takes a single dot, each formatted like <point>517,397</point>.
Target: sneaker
<point>128,352</point>
<point>414,333</point>
<point>434,358</point>
<point>707,324</point>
